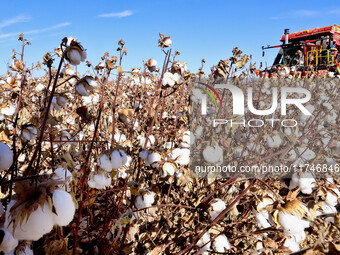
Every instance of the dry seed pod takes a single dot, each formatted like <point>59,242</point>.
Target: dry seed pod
<point>75,53</point>
<point>151,65</point>
<point>17,65</point>
<point>168,169</point>
<point>126,115</point>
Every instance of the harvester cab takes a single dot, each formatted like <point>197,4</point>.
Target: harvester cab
<point>305,53</point>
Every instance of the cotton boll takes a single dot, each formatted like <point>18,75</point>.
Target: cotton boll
<point>291,244</point>
<point>168,145</point>
<point>118,159</point>
<point>328,209</point>
<point>306,154</point>
<point>99,181</point>
<point>305,181</point>
<point>29,133</point>
<point>307,185</point>
<point>8,242</point>
<point>81,90</point>
<point>153,158</point>
<point>144,154</point>
<point>75,57</point>
<point>331,198</point>
<point>142,141</point>
<point>6,157</point>
<point>221,244</point>
<point>83,56</point>
<point>204,241</point>
<point>170,79</point>
<point>9,111</point>
<point>122,171</point>
<point>168,169</point>
<point>38,223</point>
<point>26,251</point>
<point>262,219</point>
<point>216,207</point>
<point>292,224</point>
<point>199,131</point>
<point>64,207</point>
<point>274,142</point>
<point>213,154</point>
<point>145,199</point>
<point>40,87</point>
<point>54,105</point>
<point>70,72</point>
<point>120,138</point>
<point>63,175</point>
<point>182,155</point>
<point>91,82</point>
<point>105,162</point>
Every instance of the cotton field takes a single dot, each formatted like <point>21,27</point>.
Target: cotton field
<point>99,162</point>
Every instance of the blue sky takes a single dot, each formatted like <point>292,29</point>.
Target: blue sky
<point>198,29</point>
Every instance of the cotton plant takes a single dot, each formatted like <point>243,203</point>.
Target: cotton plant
<point>8,242</point>
<point>121,172</point>
<point>142,140</point>
<point>29,133</point>
<point>221,244</point>
<point>274,141</point>
<point>169,79</point>
<point>331,195</point>
<point>213,154</point>
<point>151,65</point>
<point>290,218</point>
<point>112,159</point>
<point>6,156</point>
<point>217,205</point>
<point>99,180</point>
<point>305,181</point>
<point>86,85</point>
<point>262,216</point>
<point>75,52</point>
<point>204,244</point>
<point>42,214</point>
<point>188,139</point>
<point>145,199</point>
<point>58,102</point>
<point>153,159</point>
<point>63,175</point>
<point>181,156</point>
<point>26,250</point>
<point>10,110</point>
<point>168,169</point>
<point>91,100</point>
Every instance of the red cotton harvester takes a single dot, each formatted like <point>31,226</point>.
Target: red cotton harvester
<point>312,52</point>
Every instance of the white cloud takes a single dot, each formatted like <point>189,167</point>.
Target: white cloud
<point>14,20</point>
<point>35,31</point>
<point>116,14</point>
<point>335,11</point>
<point>304,13</point>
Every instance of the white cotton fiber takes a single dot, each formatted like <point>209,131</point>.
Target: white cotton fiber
<point>64,206</point>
